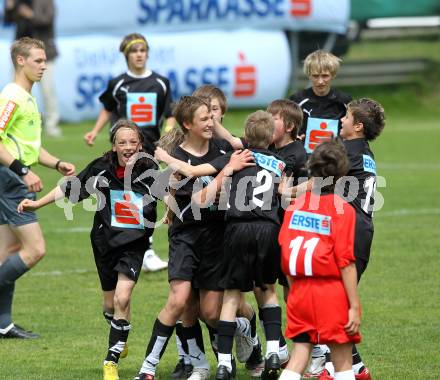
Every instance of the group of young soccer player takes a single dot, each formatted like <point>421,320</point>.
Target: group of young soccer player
<point>275,205</point>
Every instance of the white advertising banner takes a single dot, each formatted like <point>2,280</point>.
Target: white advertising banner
<point>252,68</point>
<point>152,16</point>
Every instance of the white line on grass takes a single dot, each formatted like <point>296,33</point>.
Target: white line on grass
<point>61,273</point>
<point>409,212</point>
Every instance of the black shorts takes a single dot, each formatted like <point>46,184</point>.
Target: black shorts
<point>126,259</point>
<point>363,239</point>
<point>195,254</point>
<point>251,255</point>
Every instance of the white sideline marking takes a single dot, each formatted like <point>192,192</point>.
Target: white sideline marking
<point>409,212</point>
<point>61,273</point>
<point>72,230</point>
<point>408,166</point>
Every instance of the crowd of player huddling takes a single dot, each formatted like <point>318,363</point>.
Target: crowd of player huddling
<point>228,232</point>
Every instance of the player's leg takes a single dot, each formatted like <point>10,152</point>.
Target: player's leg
<point>298,361</point>
<point>51,112</point>
<point>226,328</point>
<point>21,247</point>
<point>178,296</point>
<point>183,368</point>
<point>342,361</point>
<point>192,333</point>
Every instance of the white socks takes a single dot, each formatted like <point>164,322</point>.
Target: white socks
<point>289,375</point>
<point>345,375</point>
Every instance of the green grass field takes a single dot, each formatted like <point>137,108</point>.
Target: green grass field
<point>61,298</point>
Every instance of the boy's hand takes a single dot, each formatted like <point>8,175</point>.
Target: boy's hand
<point>354,321</point>
<point>90,137</point>
<point>66,168</point>
<point>161,155</point>
<point>27,205</point>
<point>240,160</point>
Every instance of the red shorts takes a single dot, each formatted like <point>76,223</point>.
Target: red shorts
<point>319,307</point>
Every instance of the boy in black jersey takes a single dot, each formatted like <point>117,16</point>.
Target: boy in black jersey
<point>364,121</point>
<point>195,242</point>
<point>251,252</point>
<point>123,222</point>
<point>142,96</point>
<point>322,105</point>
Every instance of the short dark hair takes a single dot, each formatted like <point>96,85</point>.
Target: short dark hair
<point>290,112</point>
<point>370,113</point>
<point>124,123</point>
<point>329,159</point>
<point>210,91</point>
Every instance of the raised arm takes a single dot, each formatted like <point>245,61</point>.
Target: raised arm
<point>103,119</point>
<point>51,197</point>
<point>221,132</point>
<point>182,167</point>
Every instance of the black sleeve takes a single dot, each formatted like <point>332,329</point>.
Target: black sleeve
<point>224,145</point>
<point>220,162</point>
<point>74,187</point>
<point>107,99</point>
<point>168,110</point>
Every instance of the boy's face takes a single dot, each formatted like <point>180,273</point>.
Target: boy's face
<point>350,130</point>
<point>279,130</point>
<point>34,65</point>
<point>321,82</point>
<point>137,57</point>
<point>216,110</point>
<point>202,125</point>
<point>126,144</point>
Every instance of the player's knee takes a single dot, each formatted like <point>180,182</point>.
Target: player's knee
<point>37,252</point>
<point>211,314</point>
<point>175,306</point>
<point>121,301</point>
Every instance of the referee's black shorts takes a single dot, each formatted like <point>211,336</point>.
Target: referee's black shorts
<point>251,255</point>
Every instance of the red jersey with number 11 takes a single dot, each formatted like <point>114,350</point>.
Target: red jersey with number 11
<point>317,236</point>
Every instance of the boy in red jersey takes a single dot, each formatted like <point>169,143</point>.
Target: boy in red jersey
<point>317,243</point>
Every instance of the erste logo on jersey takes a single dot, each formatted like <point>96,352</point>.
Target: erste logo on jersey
<point>141,108</point>
<point>369,164</point>
<point>310,222</point>
<point>6,115</point>
<point>127,209</point>
<point>318,131</point>
<point>269,163</point>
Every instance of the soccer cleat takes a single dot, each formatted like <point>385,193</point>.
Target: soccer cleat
<point>284,356</point>
<point>17,332</point>
<point>199,374</point>
<point>124,352</point>
<point>316,367</point>
<point>325,375</point>
<point>110,370</point>
<point>144,376</point>
<point>244,344</point>
<point>182,370</point>
<point>364,374</point>
<point>272,367</point>
<point>152,262</point>
<point>223,373</point>
<point>255,363</point>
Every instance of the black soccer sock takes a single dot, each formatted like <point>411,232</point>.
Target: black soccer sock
<point>196,349</point>
<point>226,332</point>
<point>117,339</point>
<point>182,344</point>
<point>13,268</point>
<point>356,356</point>
<point>213,338</point>
<point>272,327</point>
<point>6,297</point>
<point>156,347</point>
<point>253,322</point>
<point>260,317</point>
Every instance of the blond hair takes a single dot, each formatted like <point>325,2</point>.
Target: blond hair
<point>22,47</point>
<point>130,40</point>
<point>210,91</point>
<point>259,129</point>
<point>320,61</point>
